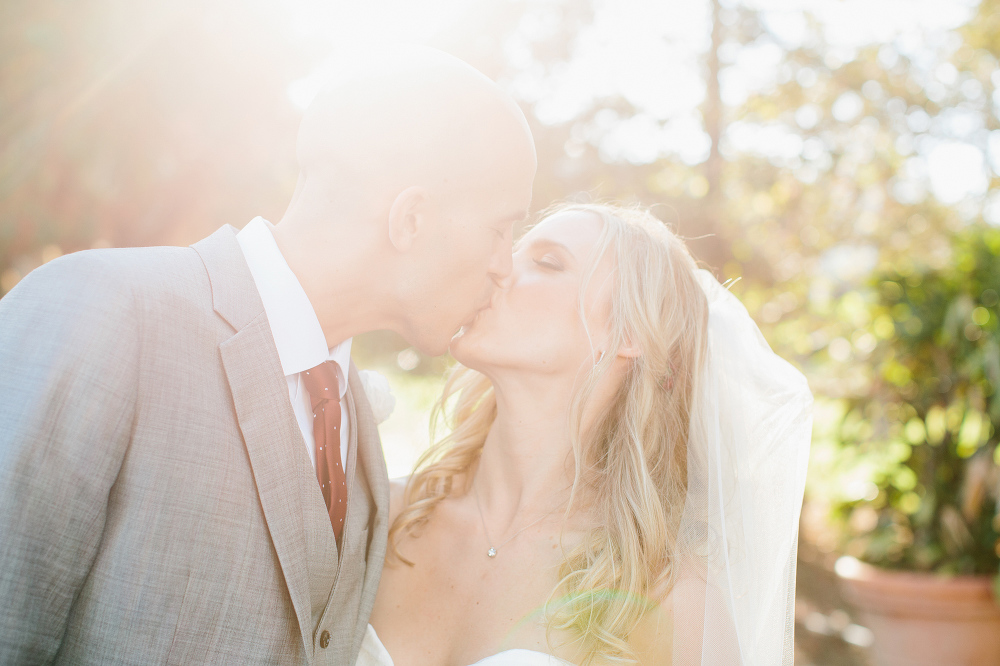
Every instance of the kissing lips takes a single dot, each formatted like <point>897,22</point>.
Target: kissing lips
<point>475,316</point>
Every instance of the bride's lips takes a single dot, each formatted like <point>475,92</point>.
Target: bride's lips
<point>475,316</point>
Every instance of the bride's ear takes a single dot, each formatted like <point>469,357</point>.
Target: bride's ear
<point>406,217</point>
<point>629,350</point>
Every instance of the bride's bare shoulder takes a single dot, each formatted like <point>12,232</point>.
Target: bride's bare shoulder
<point>678,613</point>
<point>674,629</point>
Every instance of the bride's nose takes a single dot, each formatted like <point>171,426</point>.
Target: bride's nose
<point>509,279</point>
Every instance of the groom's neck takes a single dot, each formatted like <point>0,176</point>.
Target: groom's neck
<point>342,274</point>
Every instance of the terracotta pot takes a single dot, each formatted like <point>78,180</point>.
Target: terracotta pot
<point>921,619</point>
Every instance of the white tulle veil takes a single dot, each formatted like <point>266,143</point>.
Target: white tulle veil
<point>751,424</point>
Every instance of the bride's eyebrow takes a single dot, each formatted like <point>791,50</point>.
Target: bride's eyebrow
<point>547,243</point>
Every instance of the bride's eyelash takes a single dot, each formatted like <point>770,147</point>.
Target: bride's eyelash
<point>544,262</point>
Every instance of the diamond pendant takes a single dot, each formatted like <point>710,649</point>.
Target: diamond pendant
<point>492,552</point>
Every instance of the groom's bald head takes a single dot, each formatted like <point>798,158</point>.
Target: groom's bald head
<point>417,117</point>
<point>422,164</point>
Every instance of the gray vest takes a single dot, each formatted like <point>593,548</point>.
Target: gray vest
<point>329,593</point>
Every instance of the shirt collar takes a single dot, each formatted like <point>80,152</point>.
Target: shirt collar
<point>295,328</point>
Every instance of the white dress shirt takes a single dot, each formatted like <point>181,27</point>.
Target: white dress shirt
<point>295,329</point>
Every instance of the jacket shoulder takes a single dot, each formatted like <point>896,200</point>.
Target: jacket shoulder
<point>125,268</point>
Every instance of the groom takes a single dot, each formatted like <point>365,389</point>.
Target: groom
<point>189,468</point>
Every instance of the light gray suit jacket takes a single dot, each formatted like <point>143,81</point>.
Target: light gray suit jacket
<point>155,504</point>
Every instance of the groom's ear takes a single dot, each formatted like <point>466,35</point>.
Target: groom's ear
<point>406,216</point>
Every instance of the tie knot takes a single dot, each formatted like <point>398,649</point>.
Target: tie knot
<point>321,382</point>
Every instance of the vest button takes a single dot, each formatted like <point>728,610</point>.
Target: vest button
<point>324,639</point>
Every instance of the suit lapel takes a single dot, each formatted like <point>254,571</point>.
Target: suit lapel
<point>266,419</point>
<point>353,522</point>
<point>371,462</point>
<point>234,294</point>
<point>260,396</point>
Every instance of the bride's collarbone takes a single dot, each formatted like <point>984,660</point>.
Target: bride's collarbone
<point>460,569</point>
<point>462,604</point>
<point>454,536</point>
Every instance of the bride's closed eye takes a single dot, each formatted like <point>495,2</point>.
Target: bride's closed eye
<point>550,262</point>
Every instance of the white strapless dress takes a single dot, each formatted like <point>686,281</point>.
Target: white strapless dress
<point>373,653</point>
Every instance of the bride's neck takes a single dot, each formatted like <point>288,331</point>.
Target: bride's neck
<point>526,467</point>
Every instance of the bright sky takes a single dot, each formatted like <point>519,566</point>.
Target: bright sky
<point>649,51</point>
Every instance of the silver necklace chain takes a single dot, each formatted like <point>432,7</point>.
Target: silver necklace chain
<point>492,552</point>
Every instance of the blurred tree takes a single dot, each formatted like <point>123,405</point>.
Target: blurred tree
<point>924,433</point>
<point>858,196</point>
<point>811,181</point>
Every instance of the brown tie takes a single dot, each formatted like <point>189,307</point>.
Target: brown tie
<point>324,390</point>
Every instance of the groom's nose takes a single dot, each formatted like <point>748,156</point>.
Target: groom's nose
<point>507,281</point>
<point>501,264</point>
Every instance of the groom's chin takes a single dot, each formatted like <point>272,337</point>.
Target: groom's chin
<point>456,341</point>
<point>434,345</point>
<point>465,346</point>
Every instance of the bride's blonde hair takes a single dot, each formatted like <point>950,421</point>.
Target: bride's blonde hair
<point>631,463</point>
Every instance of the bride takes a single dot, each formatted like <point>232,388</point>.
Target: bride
<point>623,475</point>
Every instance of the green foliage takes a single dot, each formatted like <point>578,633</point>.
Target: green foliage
<point>924,434</point>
